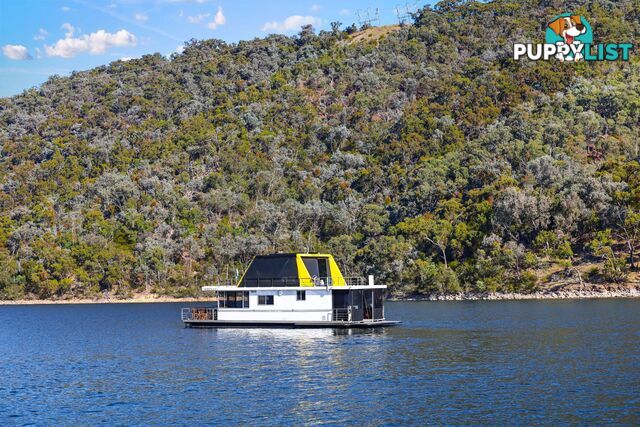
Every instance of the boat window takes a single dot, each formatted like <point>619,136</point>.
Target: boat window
<point>323,268</point>
<point>233,299</point>
<point>378,297</point>
<point>378,304</point>
<point>301,295</point>
<point>265,299</point>
<point>271,270</point>
<point>341,299</point>
<point>317,267</point>
<point>367,304</point>
<point>311,265</point>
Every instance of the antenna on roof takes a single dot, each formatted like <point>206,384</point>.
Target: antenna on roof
<point>368,17</point>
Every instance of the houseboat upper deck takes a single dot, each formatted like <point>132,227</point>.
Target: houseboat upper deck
<point>293,290</point>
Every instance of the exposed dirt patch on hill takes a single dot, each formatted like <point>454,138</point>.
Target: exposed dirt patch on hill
<point>370,35</point>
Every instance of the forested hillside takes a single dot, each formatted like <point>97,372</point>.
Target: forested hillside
<point>425,156</point>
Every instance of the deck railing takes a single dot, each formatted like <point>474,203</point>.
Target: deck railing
<point>268,282</point>
<point>207,313</point>
<point>355,281</point>
<point>199,313</point>
<point>341,315</point>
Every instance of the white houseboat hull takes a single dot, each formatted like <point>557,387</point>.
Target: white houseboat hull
<point>286,309</point>
<point>288,324</point>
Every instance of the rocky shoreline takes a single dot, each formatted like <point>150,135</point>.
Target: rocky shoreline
<point>588,292</point>
<point>138,299</point>
<point>630,290</point>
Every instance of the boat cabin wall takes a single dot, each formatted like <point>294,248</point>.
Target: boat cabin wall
<point>281,305</point>
<point>307,299</point>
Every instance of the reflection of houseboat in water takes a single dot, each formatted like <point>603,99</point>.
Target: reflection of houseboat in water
<point>296,291</point>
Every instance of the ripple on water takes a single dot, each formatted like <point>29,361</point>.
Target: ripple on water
<point>454,362</point>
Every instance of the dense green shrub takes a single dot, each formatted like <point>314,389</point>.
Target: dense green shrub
<point>429,158</point>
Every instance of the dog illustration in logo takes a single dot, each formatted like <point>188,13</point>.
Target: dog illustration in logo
<point>568,27</point>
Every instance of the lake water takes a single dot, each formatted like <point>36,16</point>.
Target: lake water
<point>483,362</point>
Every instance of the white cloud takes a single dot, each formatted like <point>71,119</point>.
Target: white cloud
<point>181,14</point>
<point>70,29</point>
<point>198,18</point>
<point>315,8</point>
<point>126,58</point>
<point>16,52</point>
<point>292,23</point>
<point>141,17</point>
<point>42,34</point>
<point>94,43</point>
<point>65,8</point>
<point>345,12</point>
<point>218,20</point>
<point>112,6</point>
<point>38,53</point>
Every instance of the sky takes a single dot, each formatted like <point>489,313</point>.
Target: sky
<point>40,38</point>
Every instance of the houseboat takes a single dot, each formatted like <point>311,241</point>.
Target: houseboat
<point>293,290</point>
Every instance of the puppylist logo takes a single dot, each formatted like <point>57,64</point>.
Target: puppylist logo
<point>570,38</point>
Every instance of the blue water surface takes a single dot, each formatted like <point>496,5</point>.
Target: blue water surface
<point>483,362</point>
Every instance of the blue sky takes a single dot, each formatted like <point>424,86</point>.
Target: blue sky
<point>39,38</point>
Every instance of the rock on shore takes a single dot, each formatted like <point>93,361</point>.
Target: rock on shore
<point>587,291</point>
